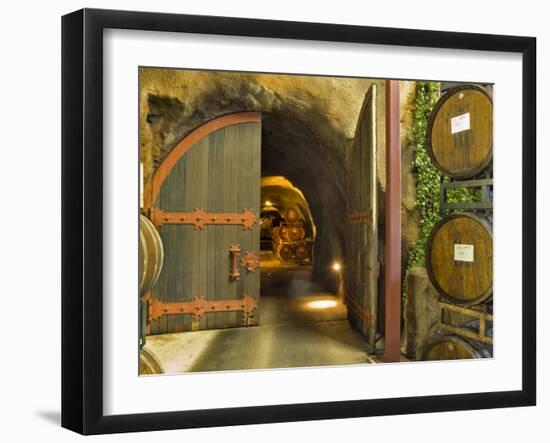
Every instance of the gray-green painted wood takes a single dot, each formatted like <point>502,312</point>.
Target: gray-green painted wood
<point>362,247</point>
<point>221,173</point>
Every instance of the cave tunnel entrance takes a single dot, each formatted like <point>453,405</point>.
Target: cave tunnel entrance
<point>303,237</point>
<point>303,207</point>
<point>287,239</point>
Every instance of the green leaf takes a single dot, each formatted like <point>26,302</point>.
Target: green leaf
<point>428,177</point>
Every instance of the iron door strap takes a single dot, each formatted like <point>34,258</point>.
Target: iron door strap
<point>199,218</point>
<point>360,217</point>
<point>199,306</point>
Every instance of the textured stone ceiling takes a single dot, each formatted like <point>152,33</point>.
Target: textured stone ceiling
<point>308,124</point>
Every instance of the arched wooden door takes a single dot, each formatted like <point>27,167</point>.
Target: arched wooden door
<point>361,270</point>
<point>205,202</point>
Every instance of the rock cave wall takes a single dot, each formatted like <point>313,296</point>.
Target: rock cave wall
<point>308,124</point>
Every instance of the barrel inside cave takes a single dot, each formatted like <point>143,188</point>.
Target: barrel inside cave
<point>269,194</point>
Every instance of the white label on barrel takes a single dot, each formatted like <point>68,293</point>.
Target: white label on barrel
<point>464,253</point>
<point>460,123</point>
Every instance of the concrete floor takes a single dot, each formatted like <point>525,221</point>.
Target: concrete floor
<point>299,326</point>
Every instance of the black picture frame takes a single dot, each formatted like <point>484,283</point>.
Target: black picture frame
<point>82,219</point>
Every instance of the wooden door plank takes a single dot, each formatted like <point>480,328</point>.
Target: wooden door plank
<point>181,322</point>
<point>361,278</point>
<point>220,173</point>
<point>215,147</point>
<point>221,252</point>
<point>244,186</point>
<point>231,190</point>
<point>248,196</point>
<point>165,236</point>
<point>169,201</point>
<point>196,184</point>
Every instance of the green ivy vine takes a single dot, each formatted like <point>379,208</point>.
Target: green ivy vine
<point>428,177</point>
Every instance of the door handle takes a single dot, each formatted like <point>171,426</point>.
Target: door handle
<point>234,251</point>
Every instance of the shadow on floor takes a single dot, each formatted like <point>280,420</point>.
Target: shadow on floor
<point>300,326</point>
<point>53,417</point>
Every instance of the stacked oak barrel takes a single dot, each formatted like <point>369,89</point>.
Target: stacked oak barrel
<point>151,255</point>
<point>459,251</point>
<point>289,238</point>
<point>151,258</point>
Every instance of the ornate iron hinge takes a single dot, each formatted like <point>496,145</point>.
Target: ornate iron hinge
<point>200,306</point>
<point>250,261</point>
<point>200,218</point>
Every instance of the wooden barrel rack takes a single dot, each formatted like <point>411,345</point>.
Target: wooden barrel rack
<point>459,251</point>
<point>471,339</point>
<point>455,347</point>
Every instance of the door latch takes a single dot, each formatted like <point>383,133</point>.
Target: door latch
<point>234,251</point>
<point>250,261</point>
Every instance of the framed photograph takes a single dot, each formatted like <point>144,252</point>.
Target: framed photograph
<point>269,221</point>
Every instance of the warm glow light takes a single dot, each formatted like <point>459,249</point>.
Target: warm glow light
<point>268,203</point>
<point>336,266</point>
<point>322,304</point>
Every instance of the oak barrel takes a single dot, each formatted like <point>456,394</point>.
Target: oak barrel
<point>296,233</point>
<point>291,215</point>
<point>151,254</point>
<point>281,233</point>
<point>301,252</point>
<point>149,364</point>
<point>459,258</point>
<point>283,251</point>
<point>459,136</point>
<point>456,347</point>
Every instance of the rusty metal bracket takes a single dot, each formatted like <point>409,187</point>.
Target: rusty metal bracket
<point>200,218</point>
<point>360,217</point>
<point>234,251</point>
<point>362,312</point>
<point>250,261</point>
<point>199,306</point>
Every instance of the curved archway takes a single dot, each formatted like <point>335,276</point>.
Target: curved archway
<point>301,140</point>
<point>278,193</point>
<point>188,142</point>
<point>292,149</point>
